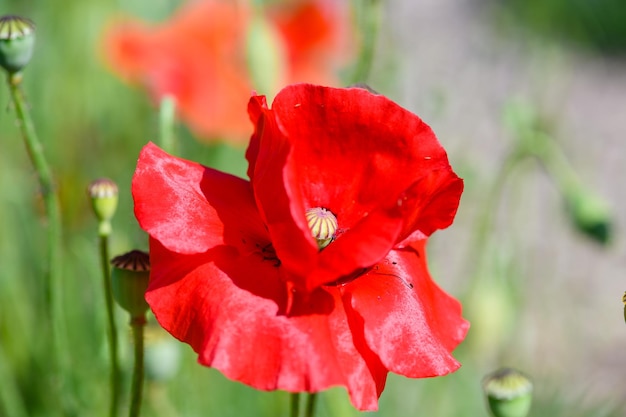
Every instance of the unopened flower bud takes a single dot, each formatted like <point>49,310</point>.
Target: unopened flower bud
<point>129,280</point>
<point>104,197</point>
<point>589,214</point>
<point>323,225</point>
<point>17,41</point>
<point>509,393</point>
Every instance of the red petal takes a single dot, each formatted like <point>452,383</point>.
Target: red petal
<point>231,310</point>
<point>354,151</point>
<point>358,248</point>
<point>256,111</point>
<point>267,155</point>
<point>316,35</point>
<point>357,154</point>
<point>431,203</point>
<point>413,330</point>
<point>125,48</point>
<point>190,208</point>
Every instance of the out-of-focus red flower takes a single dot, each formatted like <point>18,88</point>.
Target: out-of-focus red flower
<point>237,274</point>
<point>314,33</point>
<point>199,56</point>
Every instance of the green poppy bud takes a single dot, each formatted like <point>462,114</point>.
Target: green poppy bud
<point>104,197</point>
<point>509,393</point>
<point>129,280</point>
<point>17,41</point>
<point>323,225</point>
<point>589,214</point>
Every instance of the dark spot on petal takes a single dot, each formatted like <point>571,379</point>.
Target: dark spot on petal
<point>268,253</point>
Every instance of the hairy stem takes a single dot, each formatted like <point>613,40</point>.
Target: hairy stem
<point>51,284</point>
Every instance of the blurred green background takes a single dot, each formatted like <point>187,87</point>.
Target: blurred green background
<point>543,298</point>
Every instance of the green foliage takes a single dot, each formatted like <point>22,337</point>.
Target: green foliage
<point>597,24</point>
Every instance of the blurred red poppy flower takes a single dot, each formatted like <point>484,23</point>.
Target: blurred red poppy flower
<point>200,57</point>
<point>312,274</point>
<point>315,33</point>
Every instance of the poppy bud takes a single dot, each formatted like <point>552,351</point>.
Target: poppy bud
<point>129,279</point>
<point>104,197</point>
<point>17,41</point>
<point>103,193</point>
<point>323,225</point>
<point>589,214</point>
<point>509,393</point>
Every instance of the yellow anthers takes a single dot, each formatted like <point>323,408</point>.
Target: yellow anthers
<point>323,225</point>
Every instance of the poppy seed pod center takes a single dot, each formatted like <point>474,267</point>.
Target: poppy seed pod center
<point>323,225</point>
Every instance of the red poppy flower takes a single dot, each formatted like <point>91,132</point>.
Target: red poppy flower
<point>199,57</point>
<point>238,274</point>
<point>315,36</point>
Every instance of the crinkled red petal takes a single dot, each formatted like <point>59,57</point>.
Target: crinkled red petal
<point>353,151</point>
<point>256,111</point>
<point>431,202</point>
<point>376,166</point>
<point>232,309</point>
<point>357,248</point>
<point>190,208</point>
<point>267,155</point>
<point>409,322</point>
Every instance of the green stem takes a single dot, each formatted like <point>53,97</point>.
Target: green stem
<point>167,119</point>
<point>551,156</point>
<point>137,324</point>
<point>114,381</point>
<point>52,290</point>
<point>484,224</point>
<point>310,405</point>
<point>533,139</point>
<point>51,202</point>
<point>295,404</point>
<point>369,12</point>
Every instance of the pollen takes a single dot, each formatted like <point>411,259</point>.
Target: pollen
<point>323,225</point>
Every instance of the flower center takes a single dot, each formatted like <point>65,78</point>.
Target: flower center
<point>323,225</point>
